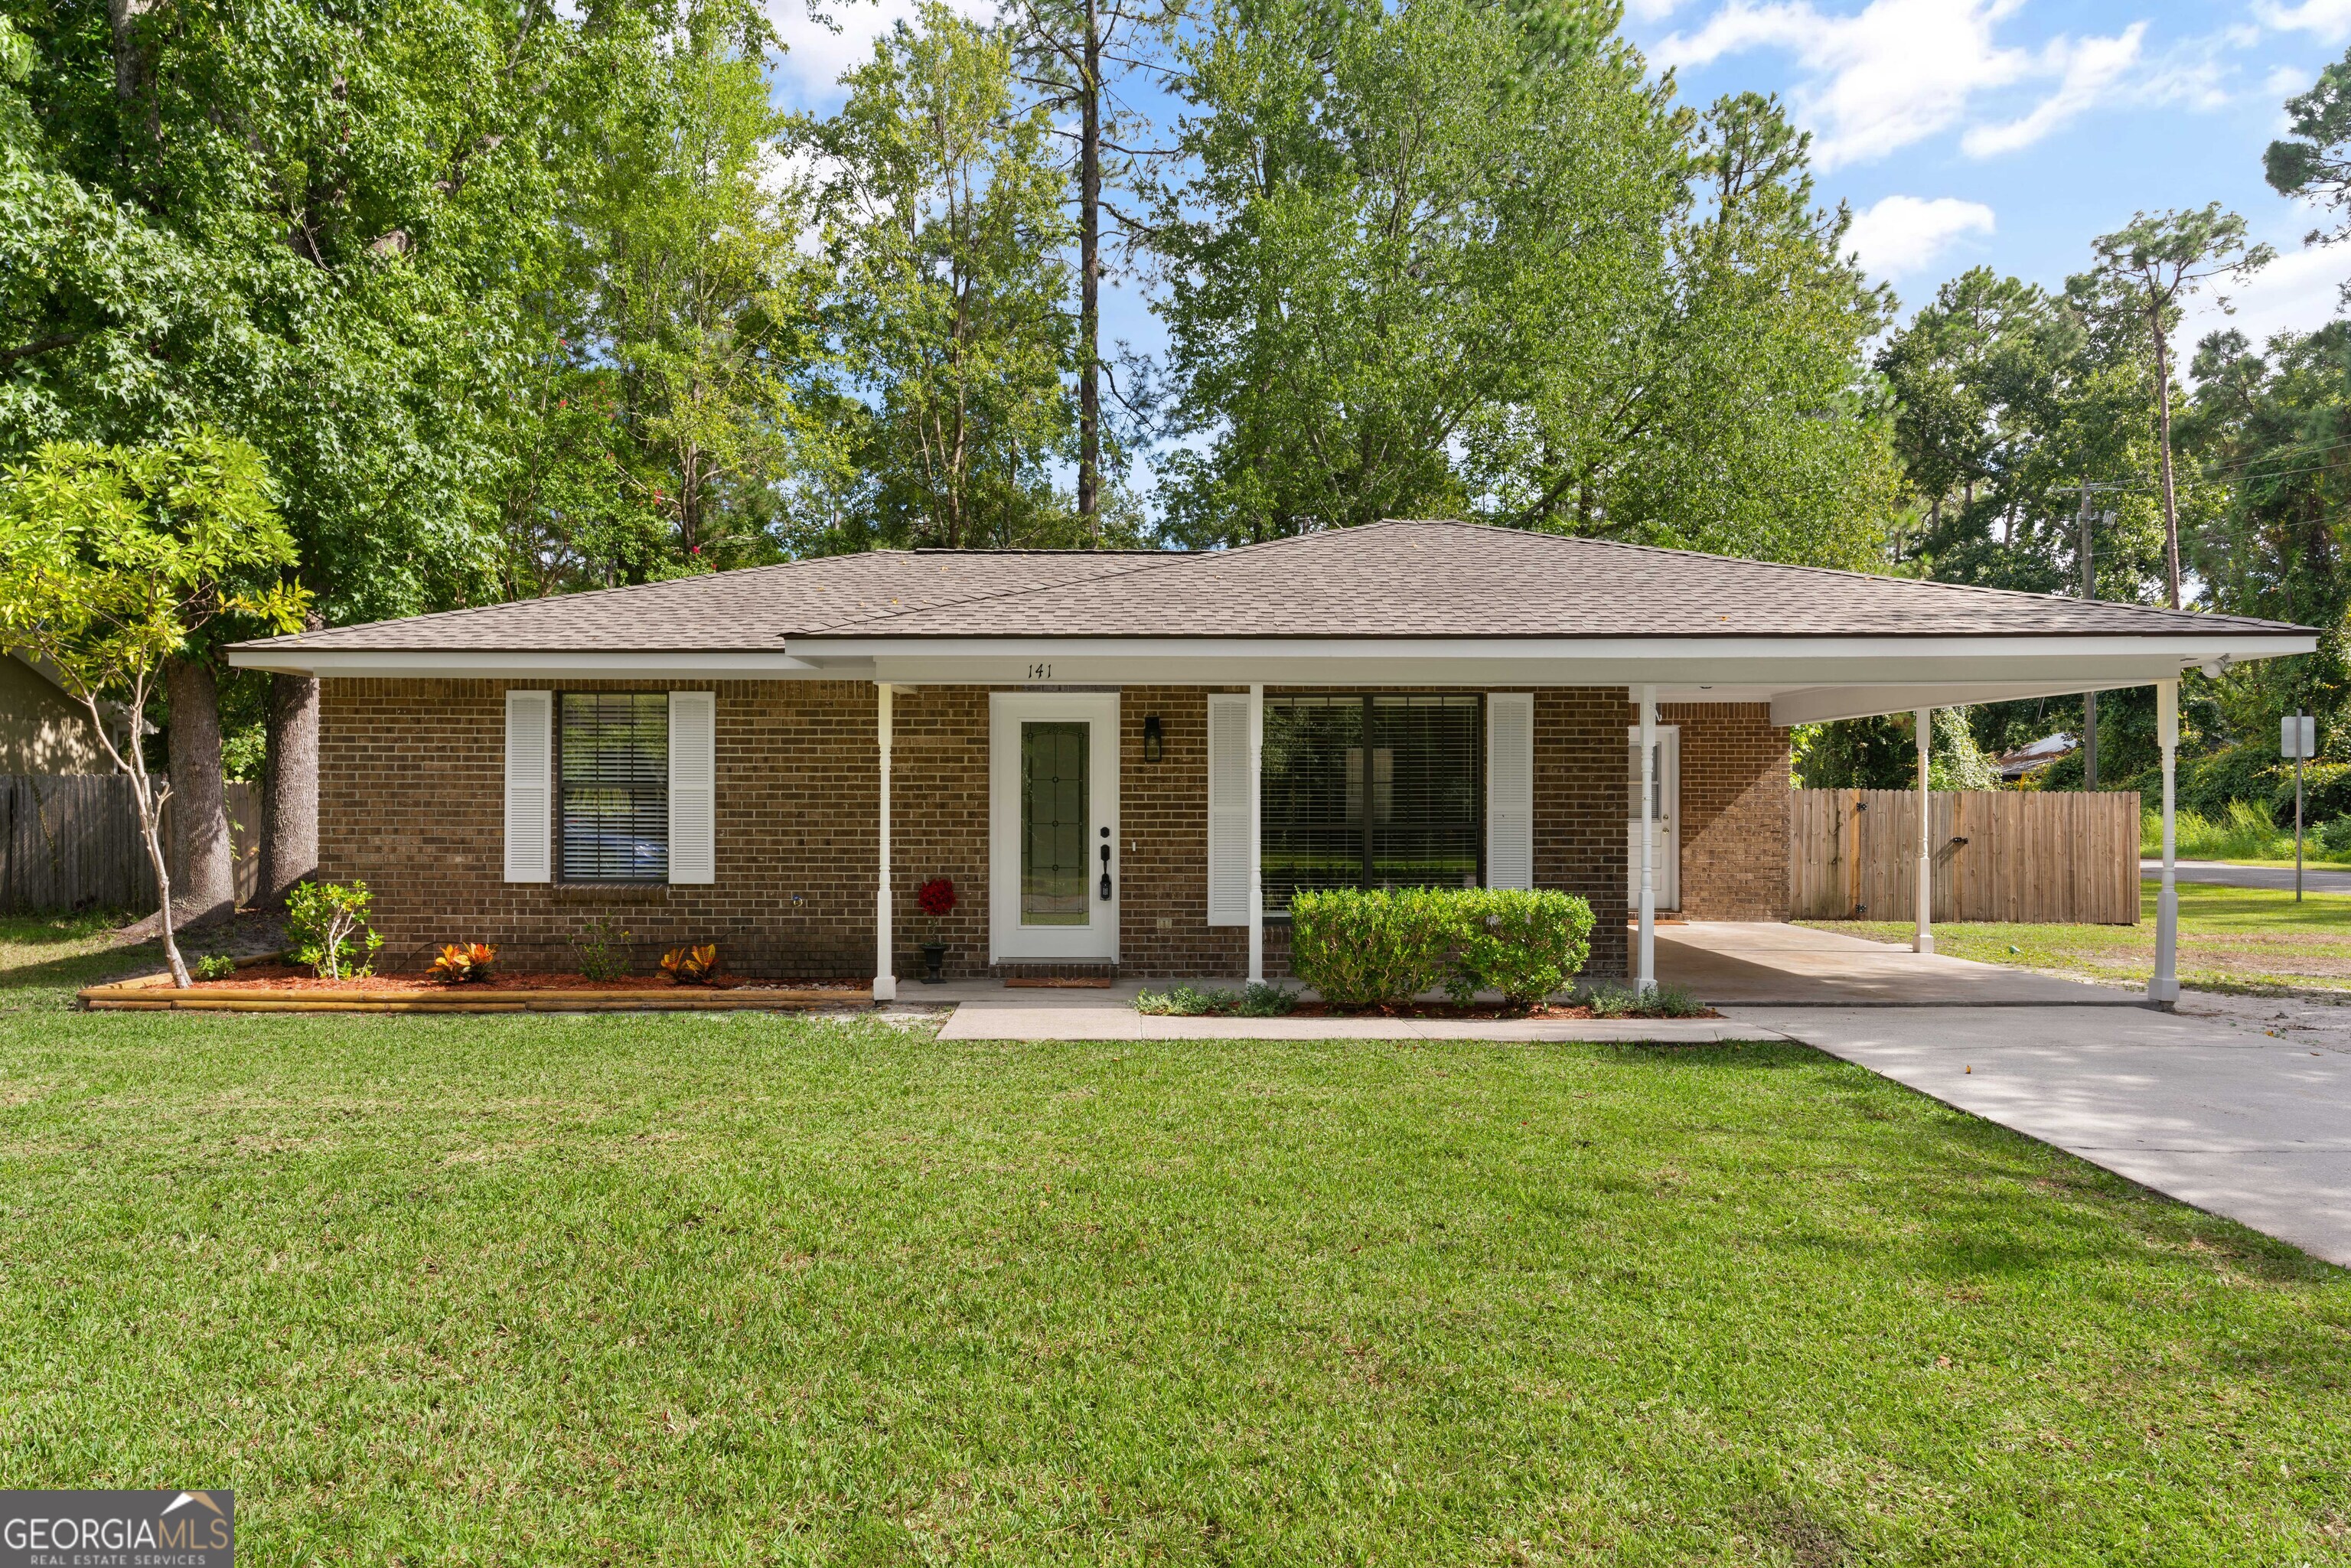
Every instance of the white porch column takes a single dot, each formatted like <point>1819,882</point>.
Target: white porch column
<point>2163,990</point>
<point>886,979</point>
<point>1647,972</point>
<point>1257,834</point>
<point>1922,939</point>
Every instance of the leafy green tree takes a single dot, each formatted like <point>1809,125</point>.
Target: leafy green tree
<point>2312,162</point>
<point>1435,259</point>
<point>670,397</point>
<point>111,561</point>
<point>2146,271</point>
<point>943,216</point>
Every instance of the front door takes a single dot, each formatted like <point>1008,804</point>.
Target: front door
<point>1053,864</point>
<point>1666,858</point>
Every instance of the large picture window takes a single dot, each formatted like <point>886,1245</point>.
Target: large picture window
<point>1378,790</point>
<point>612,786</point>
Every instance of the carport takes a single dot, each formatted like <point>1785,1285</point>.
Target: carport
<point>1728,963</point>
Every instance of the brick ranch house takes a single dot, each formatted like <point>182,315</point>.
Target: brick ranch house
<point>1128,761</point>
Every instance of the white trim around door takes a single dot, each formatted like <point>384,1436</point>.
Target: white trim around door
<point>1053,870</point>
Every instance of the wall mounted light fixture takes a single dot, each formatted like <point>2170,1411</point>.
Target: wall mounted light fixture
<point>1152,737</point>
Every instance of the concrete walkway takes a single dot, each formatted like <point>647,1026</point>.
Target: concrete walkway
<point>1761,962</point>
<point>2315,879</point>
<point>2206,1106</point>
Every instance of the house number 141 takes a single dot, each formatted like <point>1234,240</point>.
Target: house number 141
<point>1040,671</point>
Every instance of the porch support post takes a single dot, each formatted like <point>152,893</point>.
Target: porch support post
<point>1257,834</point>
<point>886,979</point>
<point>2163,988</point>
<point>1922,938</point>
<point>1647,972</point>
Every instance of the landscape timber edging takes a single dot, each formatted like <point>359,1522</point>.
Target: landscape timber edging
<point>141,995</point>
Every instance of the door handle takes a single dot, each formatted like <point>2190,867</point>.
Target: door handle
<point>1105,875</point>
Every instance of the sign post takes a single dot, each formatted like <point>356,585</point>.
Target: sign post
<point>2297,738</point>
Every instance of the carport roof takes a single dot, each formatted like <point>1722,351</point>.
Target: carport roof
<point>1388,581</point>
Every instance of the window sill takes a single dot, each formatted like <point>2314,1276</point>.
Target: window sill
<point>612,891</point>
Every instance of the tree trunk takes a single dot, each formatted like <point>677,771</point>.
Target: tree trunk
<point>1090,283</point>
<point>2163,450</point>
<point>199,810</point>
<point>121,17</point>
<point>289,812</point>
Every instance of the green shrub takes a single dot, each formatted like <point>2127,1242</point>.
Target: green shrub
<point>214,967</point>
<point>1526,945</point>
<point>326,925</point>
<point>1259,999</point>
<point>1364,949</point>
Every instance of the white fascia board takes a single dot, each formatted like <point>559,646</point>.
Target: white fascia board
<point>1818,704</point>
<point>460,663</point>
<point>2072,663</point>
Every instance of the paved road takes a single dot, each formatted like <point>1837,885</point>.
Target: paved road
<point>2207,1106</point>
<point>2314,879</point>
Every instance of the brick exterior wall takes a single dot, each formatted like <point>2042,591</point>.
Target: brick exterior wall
<point>411,785</point>
<point>1734,807</point>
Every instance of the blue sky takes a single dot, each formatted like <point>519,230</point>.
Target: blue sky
<point>2005,132</point>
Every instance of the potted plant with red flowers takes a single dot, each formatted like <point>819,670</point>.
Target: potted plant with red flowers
<point>936,899</point>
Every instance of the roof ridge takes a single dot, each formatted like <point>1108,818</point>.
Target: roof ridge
<point>1170,558</point>
<point>1836,571</point>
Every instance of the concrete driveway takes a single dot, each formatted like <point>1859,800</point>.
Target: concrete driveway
<point>2206,1105</point>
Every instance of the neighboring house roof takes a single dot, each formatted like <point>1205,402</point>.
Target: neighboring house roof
<point>1391,579</point>
<point>2035,757</point>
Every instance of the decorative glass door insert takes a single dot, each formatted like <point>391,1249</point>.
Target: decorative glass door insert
<point>1054,820</point>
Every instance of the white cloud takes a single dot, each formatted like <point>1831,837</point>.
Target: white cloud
<point>2297,292</point>
<point>2329,19</point>
<point>2089,70</point>
<point>1898,71</point>
<point>1902,234</point>
<point>1651,10</point>
<point>811,69</point>
<point>2286,81</point>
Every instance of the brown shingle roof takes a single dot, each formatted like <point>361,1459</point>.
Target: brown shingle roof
<point>1387,580</point>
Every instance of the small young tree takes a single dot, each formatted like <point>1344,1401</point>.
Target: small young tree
<point>113,560</point>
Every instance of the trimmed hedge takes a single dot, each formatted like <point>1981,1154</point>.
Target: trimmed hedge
<point>1364,949</point>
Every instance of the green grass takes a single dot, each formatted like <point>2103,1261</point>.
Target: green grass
<point>45,958</point>
<point>755,1290</point>
<point>2253,939</point>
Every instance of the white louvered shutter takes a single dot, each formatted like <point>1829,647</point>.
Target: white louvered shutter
<point>1228,810</point>
<point>693,786</point>
<point>1510,789</point>
<point>530,765</point>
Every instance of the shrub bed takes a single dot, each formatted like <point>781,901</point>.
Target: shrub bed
<point>1362,948</point>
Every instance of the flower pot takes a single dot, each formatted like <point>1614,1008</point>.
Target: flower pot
<point>935,956</point>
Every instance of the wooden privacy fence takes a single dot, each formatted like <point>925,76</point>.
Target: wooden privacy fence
<point>71,841</point>
<point>1999,854</point>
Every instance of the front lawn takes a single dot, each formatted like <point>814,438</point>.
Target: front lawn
<point>753,1289</point>
<point>2230,939</point>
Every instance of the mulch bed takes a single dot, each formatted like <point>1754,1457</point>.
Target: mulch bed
<point>291,978</point>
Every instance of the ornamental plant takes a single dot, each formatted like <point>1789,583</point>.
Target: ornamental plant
<point>1373,948</point>
<point>327,928</point>
<point>936,900</point>
<point>464,963</point>
<point>1526,943</point>
<point>692,966</point>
